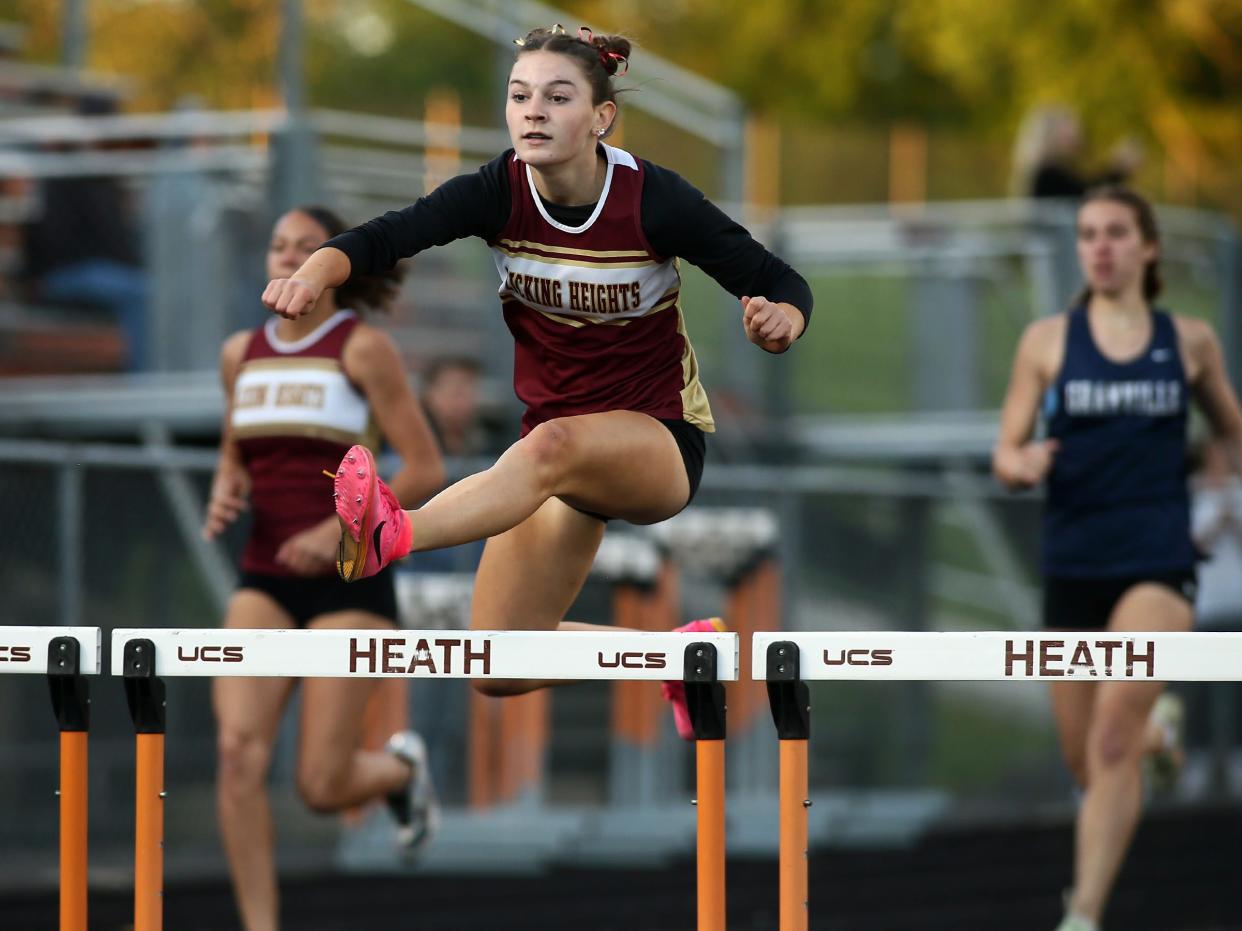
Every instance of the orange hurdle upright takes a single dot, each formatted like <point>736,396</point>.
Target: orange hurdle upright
<point>71,703</point>
<point>706,704</point>
<point>144,693</point>
<point>791,712</point>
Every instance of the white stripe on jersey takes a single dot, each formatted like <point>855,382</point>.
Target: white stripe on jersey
<point>279,397</point>
<point>286,347</point>
<point>586,284</point>
<point>573,289</point>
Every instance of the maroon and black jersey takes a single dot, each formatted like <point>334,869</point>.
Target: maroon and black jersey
<point>595,312</point>
<point>591,294</point>
<point>295,414</point>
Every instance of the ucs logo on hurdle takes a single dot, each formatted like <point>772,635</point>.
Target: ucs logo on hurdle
<point>210,654</point>
<point>858,657</point>
<point>631,660</point>
<point>14,654</point>
<point>1109,659</point>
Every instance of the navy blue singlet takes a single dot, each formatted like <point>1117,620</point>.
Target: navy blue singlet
<point>1118,503</point>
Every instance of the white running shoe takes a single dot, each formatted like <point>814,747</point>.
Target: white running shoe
<point>1077,923</point>
<point>415,807</point>
<point>1167,716</point>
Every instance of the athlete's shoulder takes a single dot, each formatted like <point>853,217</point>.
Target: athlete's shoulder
<point>498,165</point>
<point>1198,345</point>
<point>366,337</point>
<point>620,158</point>
<point>490,177</point>
<point>1043,344</point>
<point>668,194</point>
<point>1193,332</point>
<point>368,346</point>
<point>232,352</point>
<point>1047,331</point>
<point>662,175</point>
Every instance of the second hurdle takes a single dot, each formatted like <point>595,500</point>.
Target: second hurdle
<point>143,657</point>
<point>786,660</point>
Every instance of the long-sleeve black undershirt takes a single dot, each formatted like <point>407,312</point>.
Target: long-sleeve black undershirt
<point>677,219</point>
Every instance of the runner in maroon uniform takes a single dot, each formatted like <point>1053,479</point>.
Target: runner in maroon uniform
<point>300,393</point>
<point>586,239</point>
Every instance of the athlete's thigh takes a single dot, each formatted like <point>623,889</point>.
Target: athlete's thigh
<point>330,725</point>
<point>1151,606</point>
<point>624,465</point>
<point>530,575</point>
<point>1122,707</point>
<point>252,705</point>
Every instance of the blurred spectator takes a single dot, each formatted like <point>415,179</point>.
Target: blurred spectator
<point>451,397</point>
<point>1048,152</point>
<point>15,196</point>
<point>82,249</point>
<point>1217,527</point>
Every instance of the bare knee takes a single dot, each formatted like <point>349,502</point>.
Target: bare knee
<point>1112,743</point>
<point>242,759</point>
<point>321,788</point>
<point>547,447</point>
<point>499,688</point>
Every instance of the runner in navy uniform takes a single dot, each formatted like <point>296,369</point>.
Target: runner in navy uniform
<point>586,239</point>
<point>1115,377</point>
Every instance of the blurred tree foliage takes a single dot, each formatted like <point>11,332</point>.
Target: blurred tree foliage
<point>1168,72</point>
<point>378,56</point>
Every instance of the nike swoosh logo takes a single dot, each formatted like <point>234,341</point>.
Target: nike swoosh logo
<point>375,540</point>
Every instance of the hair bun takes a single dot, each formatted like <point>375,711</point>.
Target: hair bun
<point>614,53</point>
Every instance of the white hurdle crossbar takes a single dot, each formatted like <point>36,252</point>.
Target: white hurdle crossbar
<point>786,660</point>
<point>25,649</point>
<point>701,660</point>
<point>65,655</point>
<point>1092,656</point>
<point>431,654</point>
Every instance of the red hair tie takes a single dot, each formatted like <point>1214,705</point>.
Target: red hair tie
<point>615,64</point>
<point>620,64</point>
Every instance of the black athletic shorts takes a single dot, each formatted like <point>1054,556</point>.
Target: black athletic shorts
<point>692,442</point>
<point>308,598</point>
<point>1087,604</point>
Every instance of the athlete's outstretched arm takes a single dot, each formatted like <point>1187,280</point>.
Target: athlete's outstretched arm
<point>679,220</point>
<point>474,204</point>
<point>292,297</point>
<point>1016,462</point>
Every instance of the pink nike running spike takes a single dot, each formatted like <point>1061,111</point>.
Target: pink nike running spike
<point>675,691</point>
<point>374,528</point>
